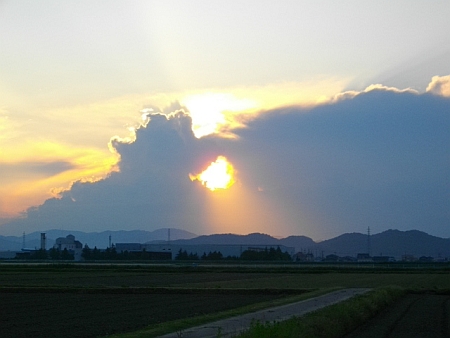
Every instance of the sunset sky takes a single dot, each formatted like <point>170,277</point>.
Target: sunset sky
<point>330,116</point>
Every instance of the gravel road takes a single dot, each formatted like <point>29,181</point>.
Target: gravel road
<point>231,326</point>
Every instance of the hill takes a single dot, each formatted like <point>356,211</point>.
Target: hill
<point>92,239</point>
<point>393,243</point>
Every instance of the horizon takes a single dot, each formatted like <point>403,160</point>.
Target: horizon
<point>279,118</point>
<point>317,241</point>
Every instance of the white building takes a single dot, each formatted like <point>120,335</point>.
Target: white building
<point>73,246</point>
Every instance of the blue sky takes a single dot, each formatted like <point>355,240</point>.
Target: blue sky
<point>333,114</point>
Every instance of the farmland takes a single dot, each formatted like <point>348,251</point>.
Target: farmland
<point>99,300</point>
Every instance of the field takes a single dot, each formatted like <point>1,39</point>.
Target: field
<point>416,315</point>
<point>99,300</point>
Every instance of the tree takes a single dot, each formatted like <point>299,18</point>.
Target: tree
<point>212,256</point>
<point>182,255</point>
<point>266,255</point>
<point>54,254</point>
<point>86,253</point>
<point>39,254</point>
<point>66,255</point>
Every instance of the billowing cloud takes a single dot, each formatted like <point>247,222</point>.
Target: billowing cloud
<point>379,158</point>
<point>440,85</point>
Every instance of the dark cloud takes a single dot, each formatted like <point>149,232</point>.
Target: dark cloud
<point>380,159</point>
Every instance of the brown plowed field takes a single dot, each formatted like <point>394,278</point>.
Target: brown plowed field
<point>414,316</point>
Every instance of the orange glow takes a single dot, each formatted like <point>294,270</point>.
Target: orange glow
<point>219,175</point>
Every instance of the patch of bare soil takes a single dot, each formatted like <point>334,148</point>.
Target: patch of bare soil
<point>414,316</point>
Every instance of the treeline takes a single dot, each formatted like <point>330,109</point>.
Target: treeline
<point>112,254</point>
<point>95,254</point>
<point>41,254</point>
<point>182,255</point>
<point>247,255</point>
<point>266,255</point>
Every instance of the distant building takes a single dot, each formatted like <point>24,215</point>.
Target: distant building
<point>383,259</point>
<point>69,243</point>
<point>408,258</point>
<point>426,259</point>
<point>331,258</point>
<point>347,259</point>
<point>364,258</point>
<point>304,257</point>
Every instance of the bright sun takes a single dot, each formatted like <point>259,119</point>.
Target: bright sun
<point>219,175</point>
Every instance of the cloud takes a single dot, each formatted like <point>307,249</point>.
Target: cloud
<point>352,93</point>
<point>378,159</point>
<point>440,85</point>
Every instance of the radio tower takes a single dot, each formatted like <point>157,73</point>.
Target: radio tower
<point>368,240</point>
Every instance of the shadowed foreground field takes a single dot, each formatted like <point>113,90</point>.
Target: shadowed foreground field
<point>93,315</point>
<point>93,300</point>
<point>415,315</point>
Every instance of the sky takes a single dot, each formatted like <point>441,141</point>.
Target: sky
<point>330,117</point>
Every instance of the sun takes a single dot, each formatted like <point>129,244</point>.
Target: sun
<point>219,175</point>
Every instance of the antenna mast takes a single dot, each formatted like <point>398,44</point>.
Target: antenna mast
<point>368,240</point>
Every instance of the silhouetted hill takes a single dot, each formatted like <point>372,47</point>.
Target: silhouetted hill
<point>92,239</point>
<point>393,243</point>
<point>298,242</point>
<point>254,239</point>
<point>344,245</point>
<point>412,242</point>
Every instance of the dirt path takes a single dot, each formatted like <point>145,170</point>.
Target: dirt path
<point>414,316</point>
<point>231,326</point>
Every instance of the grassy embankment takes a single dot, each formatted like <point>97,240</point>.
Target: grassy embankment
<point>331,322</point>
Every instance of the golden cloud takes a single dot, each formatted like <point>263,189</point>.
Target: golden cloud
<point>439,85</point>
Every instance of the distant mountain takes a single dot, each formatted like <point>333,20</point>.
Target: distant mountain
<point>343,245</point>
<point>393,243</point>
<point>92,239</point>
<point>298,242</point>
<point>253,239</point>
<point>413,242</point>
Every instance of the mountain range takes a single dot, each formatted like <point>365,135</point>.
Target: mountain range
<point>392,243</point>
